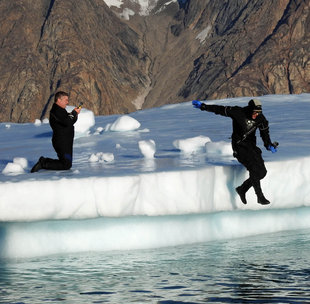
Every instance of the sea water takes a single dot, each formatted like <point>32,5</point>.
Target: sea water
<point>269,268</point>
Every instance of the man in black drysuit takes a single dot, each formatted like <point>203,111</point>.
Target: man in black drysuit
<point>62,124</point>
<point>245,122</point>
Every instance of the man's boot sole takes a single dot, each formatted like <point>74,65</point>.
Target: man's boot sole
<point>263,203</point>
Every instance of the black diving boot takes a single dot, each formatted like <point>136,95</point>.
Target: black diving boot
<point>38,166</point>
<point>242,190</point>
<point>261,199</point>
<point>241,193</point>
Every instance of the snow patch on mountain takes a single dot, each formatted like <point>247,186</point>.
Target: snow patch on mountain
<point>202,36</point>
<point>145,6</point>
<point>116,3</point>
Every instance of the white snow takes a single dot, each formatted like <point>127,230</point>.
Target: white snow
<point>123,123</point>
<point>13,168</point>
<point>202,36</point>
<point>116,3</point>
<point>157,177</point>
<point>23,162</point>
<point>37,122</point>
<point>165,5</point>
<point>147,148</point>
<point>101,157</point>
<point>220,148</point>
<point>85,122</point>
<point>18,166</point>
<point>126,13</point>
<point>146,6</point>
<point>191,145</point>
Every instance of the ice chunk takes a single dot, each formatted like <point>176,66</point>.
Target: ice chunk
<point>85,121</point>
<point>219,148</point>
<point>124,123</point>
<point>147,148</point>
<point>101,157</point>
<point>13,169</point>
<point>191,145</point>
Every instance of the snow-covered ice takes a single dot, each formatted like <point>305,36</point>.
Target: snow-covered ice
<point>15,167</point>
<point>123,123</point>
<point>191,145</point>
<point>147,148</point>
<point>157,177</point>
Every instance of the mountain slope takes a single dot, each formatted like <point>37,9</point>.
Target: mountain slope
<point>216,49</point>
<point>252,48</point>
<point>137,54</point>
<point>89,52</point>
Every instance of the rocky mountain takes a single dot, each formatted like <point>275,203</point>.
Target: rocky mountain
<point>120,55</point>
<point>80,47</point>
<point>249,48</point>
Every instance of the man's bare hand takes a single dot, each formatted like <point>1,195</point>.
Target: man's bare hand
<point>77,110</point>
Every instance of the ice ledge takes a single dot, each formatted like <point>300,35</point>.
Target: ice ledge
<point>205,190</point>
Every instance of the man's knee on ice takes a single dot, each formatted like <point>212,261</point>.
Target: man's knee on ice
<point>67,161</point>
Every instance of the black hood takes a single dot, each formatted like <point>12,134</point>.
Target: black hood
<point>255,105</point>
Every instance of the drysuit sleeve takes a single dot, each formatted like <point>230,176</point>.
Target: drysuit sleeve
<point>264,131</point>
<point>73,116</point>
<point>64,118</point>
<point>219,110</point>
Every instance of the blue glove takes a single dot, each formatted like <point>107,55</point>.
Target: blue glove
<point>196,104</point>
<point>272,148</point>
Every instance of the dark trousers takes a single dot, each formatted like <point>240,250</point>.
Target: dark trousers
<point>251,157</point>
<point>63,149</point>
<point>64,162</point>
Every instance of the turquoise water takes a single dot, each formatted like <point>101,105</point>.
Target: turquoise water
<point>270,268</point>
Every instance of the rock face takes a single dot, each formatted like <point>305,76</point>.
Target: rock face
<point>249,48</point>
<point>119,59</point>
<point>58,45</point>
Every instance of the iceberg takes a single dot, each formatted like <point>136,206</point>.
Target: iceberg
<point>165,178</point>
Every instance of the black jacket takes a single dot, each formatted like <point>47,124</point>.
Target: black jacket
<point>62,124</point>
<point>244,127</point>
